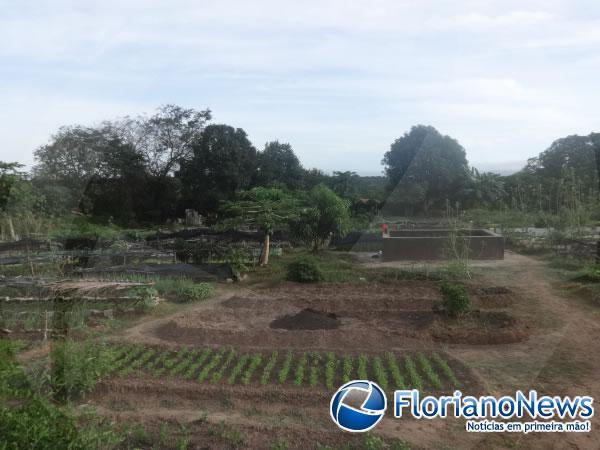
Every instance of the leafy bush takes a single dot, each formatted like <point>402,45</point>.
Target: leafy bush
<point>148,296</point>
<point>29,420</point>
<point>189,293</point>
<point>455,299</point>
<point>77,367</point>
<point>305,270</point>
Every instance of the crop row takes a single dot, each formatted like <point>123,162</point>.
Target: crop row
<point>314,369</point>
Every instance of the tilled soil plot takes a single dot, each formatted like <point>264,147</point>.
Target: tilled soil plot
<point>357,316</point>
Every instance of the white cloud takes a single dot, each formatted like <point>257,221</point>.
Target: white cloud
<point>332,77</point>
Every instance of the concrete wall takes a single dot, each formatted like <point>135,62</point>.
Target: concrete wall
<point>433,244</point>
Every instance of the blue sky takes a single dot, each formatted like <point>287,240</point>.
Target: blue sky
<point>339,80</point>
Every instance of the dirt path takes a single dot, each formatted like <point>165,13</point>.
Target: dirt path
<point>561,358</point>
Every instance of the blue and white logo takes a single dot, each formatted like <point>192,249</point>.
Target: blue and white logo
<point>358,406</point>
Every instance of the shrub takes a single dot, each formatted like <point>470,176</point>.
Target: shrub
<point>304,270</point>
<point>189,293</point>
<point>76,367</point>
<point>147,296</point>
<point>455,300</point>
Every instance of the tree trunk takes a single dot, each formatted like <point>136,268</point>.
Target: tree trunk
<point>264,256</point>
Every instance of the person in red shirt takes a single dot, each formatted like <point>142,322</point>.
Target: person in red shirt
<point>384,229</point>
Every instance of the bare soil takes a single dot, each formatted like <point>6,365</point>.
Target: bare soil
<point>356,316</point>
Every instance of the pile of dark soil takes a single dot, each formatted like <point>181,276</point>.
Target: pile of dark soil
<point>307,319</point>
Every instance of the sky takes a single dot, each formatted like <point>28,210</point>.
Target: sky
<point>339,80</point>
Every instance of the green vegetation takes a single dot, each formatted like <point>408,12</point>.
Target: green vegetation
<point>29,419</point>
<point>226,364</point>
<point>266,374</point>
<point>432,376</point>
<point>397,377</point>
<point>413,374</point>
<point>189,293</point>
<point>305,270</point>
<point>313,377</point>
<point>77,366</point>
<point>347,369</point>
<point>455,299</point>
<point>285,368</point>
<point>215,360</point>
<point>255,361</point>
<point>380,373</point>
<point>216,376</point>
<point>330,367</point>
<point>361,371</point>
<point>299,373</point>
<point>237,369</point>
<point>446,370</point>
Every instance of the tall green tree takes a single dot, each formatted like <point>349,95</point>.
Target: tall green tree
<point>165,139</point>
<point>223,162</point>
<point>322,216</point>
<point>436,163</point>
<point>345,184</point>
<point>10,175</point>
<point>278,165</point>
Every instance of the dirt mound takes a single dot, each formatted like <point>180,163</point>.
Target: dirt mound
<point>307,319</point>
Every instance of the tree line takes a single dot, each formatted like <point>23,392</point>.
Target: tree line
<point>149,169</point>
